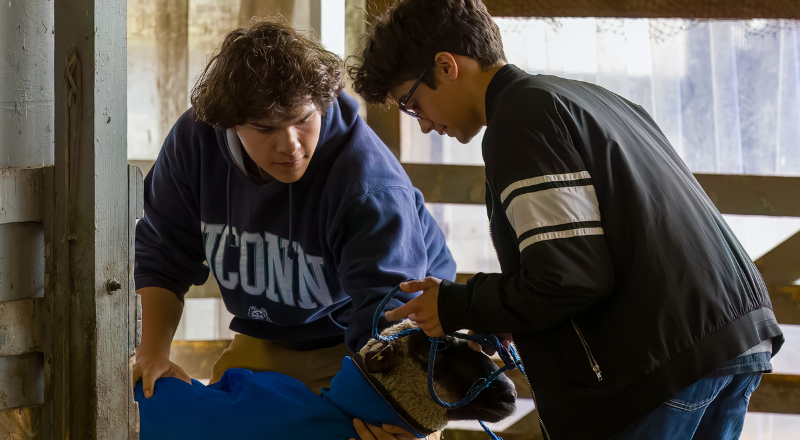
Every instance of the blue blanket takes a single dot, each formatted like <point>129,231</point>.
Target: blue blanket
<point>245,405</point>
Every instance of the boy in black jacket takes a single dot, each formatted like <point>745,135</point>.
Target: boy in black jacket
<point>636,311</point>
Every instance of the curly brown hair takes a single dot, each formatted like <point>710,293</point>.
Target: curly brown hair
<point>268,71</point>
<point>402,42</point>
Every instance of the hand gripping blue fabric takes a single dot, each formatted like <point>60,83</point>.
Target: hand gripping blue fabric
<point>508,356</point>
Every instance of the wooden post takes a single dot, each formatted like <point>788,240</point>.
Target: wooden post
<point>90,324</point>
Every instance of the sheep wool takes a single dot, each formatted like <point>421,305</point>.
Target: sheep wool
<point>407,382</point>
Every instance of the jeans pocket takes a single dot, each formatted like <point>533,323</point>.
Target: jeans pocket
<point>754,382</point>
<point>698,395</point>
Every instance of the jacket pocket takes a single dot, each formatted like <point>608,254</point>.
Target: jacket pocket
<point>592,361</point>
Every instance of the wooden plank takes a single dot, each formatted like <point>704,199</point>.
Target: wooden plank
<point>385,122</point>
<point>21,261</point>
<point>21,380</point>
<point>21,194</point>
<point>197,357</point>
<point>786,304</point>
<point>135,208</point>
<point>722,9</point>
<point>19,327</point>
<point>781,265</point>
<point>90,150</point>
<point>144,165</point>
<point>753,195</point>
<point>448,183</point>
<point>21,423</point>
<point>778,393</point>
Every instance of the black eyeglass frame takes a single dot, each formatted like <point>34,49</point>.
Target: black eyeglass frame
<point>402,104</point>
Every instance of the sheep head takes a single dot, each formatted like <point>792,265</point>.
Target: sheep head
<point>401,367</point>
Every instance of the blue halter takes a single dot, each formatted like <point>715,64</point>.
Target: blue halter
<point>508,356</point>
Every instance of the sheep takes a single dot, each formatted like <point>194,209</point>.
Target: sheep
<point>386,382</point>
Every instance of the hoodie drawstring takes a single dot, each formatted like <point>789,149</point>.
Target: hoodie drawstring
<point>230,240</point>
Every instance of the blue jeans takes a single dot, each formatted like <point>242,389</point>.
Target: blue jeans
<point>712,408</point>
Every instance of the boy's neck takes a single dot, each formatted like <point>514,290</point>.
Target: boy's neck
<point>482,84</point>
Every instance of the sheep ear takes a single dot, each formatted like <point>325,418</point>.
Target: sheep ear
<point>380,358</point>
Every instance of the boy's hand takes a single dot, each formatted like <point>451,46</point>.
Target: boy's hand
<point>505,338</point>
<point>385,432</point>
<point>424,309</point>
<point>149,367</point>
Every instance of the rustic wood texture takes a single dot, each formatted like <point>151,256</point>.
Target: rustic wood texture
<point>92,38</point>
<point>21,261</point>
<point>19,327</point>
<point>778,393</point>
<point>753,195</point>
<point>172,49</point>
<point>786,304</point>
<point>724,9</point>
<point>21,194</point>
<point>781,265</point>
<point>135,211</point>
<point>21,423</point>
<point>21,381</point>
<point>197,357</point>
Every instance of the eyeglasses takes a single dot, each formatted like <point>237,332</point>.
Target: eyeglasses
<point>402,104</point>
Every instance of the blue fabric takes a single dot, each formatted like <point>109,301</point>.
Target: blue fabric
<point>751,363</point>
<point>359,228</point>
<point>260,406</point>
<point>711,408</point>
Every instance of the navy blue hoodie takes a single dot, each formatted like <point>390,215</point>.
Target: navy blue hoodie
<point>302,264</point>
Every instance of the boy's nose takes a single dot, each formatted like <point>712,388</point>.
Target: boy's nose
<point>425,125</point>
<point>289,143</point>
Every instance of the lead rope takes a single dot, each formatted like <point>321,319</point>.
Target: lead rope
<point>508,356</point>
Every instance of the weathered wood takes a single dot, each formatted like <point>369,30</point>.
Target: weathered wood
<point>753,195</point>
<point>21,194</point>
<point>21,380</point>
<point>723,9</point>
<point>135,211</point>
<point>21,423</point>
<point>21,261</point>
<point>19,327</point>
<point>172,48</point>
<point>778,393</point>
<point>786,304</point>
<point>264,8</point>
<point>781,265</point>
<point>385,122</point>
<point>144,165</point>
<point>90,134</point>
<point>448,183</point>
<point>197,357</point>
<point>26,83</point>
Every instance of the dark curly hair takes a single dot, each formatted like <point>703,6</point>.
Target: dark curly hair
<point>403,41</point>
<point>266,72</point>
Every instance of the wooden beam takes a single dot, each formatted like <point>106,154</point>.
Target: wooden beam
<point>786,304</point>
<point>22,253</point>
<point>21,194</point>
<point>778,393</point>
<point>753,195</point>
<point>21,423</point>
<point>720,9</point>
<point>21,380</point>
<point>19,327</point>
<point>781,265</point>
<point>448,183</point>
<point>385,122</point>
<point>197,357</point>
<point>91,212</point>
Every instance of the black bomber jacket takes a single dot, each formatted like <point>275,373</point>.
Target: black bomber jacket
<point>621,282</point>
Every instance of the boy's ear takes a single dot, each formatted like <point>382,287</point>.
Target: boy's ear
<point>381,358</point>
<point>446,65</point>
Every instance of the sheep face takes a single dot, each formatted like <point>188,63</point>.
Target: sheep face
<point>402,365</point>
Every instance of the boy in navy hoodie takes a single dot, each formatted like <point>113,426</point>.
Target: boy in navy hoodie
<point>273,182</point>
<point>636,311</point>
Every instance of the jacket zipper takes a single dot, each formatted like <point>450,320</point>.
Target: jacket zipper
<point>592,361</point>
<point>522,366</point>
<point>533,395</point>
